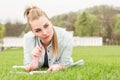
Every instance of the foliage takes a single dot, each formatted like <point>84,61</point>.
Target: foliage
<point>27,28</point>
<point>65,20</point>
<point>2,31</point>
<point>105,14</point>
<point>101,63</point>
<point>116,28</point>
<point>2,34</point>
<point>87,25</point>
<point>14,29</point>
<point>99,21</point>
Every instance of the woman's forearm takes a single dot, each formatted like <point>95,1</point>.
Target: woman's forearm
<point>56,67</point>
<point>32,66</point>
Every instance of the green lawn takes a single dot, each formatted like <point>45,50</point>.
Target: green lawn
<point>101,63</point>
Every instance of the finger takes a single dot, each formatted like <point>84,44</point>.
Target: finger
<point>28,67</point>
<point>37,51</point>
<point>39,47</point>
<point>49,69</point>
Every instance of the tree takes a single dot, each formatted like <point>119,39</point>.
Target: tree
<point>116,29</point>
<point>14,29</point>
<point>105,14</point>
<point>2,31</point>
<point>2,34</point>
<point>65,20</point>
<point>87,25</point>
<point>70,21</point>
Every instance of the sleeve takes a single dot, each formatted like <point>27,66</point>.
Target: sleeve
<point>65,52</point>
<point>28,47</point>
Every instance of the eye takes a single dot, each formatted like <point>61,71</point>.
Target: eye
<point>46,25</point>
<point>37,30</point>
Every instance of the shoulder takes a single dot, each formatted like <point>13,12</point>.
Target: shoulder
<point>59,29</point>
<point>29,35</point>
<point>62,33</point>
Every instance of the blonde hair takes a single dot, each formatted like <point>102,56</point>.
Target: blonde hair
<point>32,13</point>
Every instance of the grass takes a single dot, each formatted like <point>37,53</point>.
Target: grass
<point>101,63</point>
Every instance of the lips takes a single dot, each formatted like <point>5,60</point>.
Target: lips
<point>46,37</point>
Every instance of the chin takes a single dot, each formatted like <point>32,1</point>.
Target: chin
<point>47,40</point>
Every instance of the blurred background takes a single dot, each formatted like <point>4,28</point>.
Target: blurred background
<point>90,22</point>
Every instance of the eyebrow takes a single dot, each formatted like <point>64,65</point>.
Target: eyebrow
<point>46,24</point>
<point>43,26</point>
<point>37,29</point>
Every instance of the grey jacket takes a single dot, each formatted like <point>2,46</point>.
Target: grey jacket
<point>65,45</point>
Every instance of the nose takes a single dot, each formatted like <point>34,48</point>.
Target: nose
<point>44,32</point>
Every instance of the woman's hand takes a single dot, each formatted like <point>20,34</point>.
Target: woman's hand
<point>37,52</point>
<point>56,67</point>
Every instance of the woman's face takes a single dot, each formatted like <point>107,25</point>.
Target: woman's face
<point>43,28</point>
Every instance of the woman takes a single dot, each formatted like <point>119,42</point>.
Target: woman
<point>45,45</point>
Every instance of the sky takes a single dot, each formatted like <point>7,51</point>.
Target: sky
<point>12,10</point>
